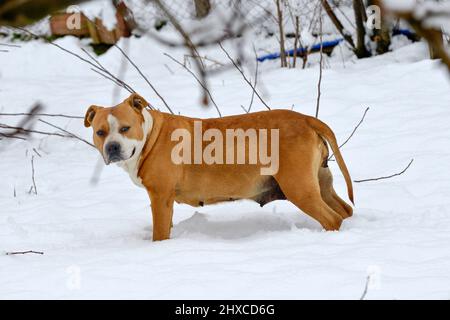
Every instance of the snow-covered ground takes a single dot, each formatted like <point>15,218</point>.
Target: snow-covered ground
<point>96,237</point>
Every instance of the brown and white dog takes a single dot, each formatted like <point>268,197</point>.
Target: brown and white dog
<point>141,142</point>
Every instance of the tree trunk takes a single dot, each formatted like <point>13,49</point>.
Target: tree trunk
<point>280,26</point>
<point>438,38</point>
<point>337,23</point>
<point>202,8</point>
<point>381,36</point>
<point>359,10</point>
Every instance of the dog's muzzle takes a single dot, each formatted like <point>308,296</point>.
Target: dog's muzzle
<point>113,152</point>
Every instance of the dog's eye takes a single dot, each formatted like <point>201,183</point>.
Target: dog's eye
<point>124,129</point>
<point>100,133</point>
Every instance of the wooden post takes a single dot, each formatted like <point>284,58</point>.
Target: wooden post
<point>280,26</point>
<point>202,8</point>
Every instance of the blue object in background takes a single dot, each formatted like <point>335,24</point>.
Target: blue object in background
<point>327,44</point>
<point>316,47</point>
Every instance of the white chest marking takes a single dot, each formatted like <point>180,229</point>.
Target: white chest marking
<point>131,166</point>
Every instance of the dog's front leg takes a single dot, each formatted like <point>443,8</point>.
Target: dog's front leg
<point>162,212</point>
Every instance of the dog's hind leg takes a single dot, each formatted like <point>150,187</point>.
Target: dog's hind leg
<point>304,192</point>
<point>330,196</point>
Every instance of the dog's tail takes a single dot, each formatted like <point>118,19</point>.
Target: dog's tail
<point>324,131</point>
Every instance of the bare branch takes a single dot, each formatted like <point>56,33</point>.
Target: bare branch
<point>32,175</point>
<point>101,69</point>
<point>10,45</point>
<point>10,136</point>
<point>366,287</point>
<point>256,80</point>
<point>111,79</point>
<point>41,115</point>
<point>69,133</point>
<point>145,78</point>
<point>96,65</point>
<point>245,110</point>
<point>243,75</point>
<point>338,23</point>
<point>198,80</point>
<point>19,130</point>
<point>214,62</point>
<point>386,177</point>
<point>23,252</point>
<point>353,132</point>
<point>320,64</point>
<point>190,45</point>
<point>35,151</point>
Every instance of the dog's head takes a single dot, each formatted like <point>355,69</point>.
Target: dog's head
<point>120,132</point>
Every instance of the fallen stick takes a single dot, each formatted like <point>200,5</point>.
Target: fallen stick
<point>23,252</point>
<point>386,177</point>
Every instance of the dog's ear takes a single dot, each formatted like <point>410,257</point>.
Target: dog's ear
<point>90,114</point>
<point>137,102</point>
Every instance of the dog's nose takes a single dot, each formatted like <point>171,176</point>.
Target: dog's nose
<point>113,150</point>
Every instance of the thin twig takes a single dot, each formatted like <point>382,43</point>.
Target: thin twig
<point>23,130</point>
<point>109,78</point>
<point>386,177</point>
<point>353,132</point>
<point>256,80</point>
<point>101,69</point>
<point>214,62</point>
<point>145,78</point>
<point>34,149</point>
<point>320,65</point>
<point>198,80</point>
<point>243,75</point>
<point>245,110</point>
<point>41,115</point>
<point>68,132</point>
<point>23,252</point>
<point>10,136</point>
<point>32,175</point>
<point>95,65</point>
<point>189,44</point>
<point>170,70</point>
<point>366,287</point>
<point>9,45</point>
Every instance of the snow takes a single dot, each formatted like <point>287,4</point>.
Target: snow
<point>102,9</point>
<point>435,14</point>
<point>96,237</point>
